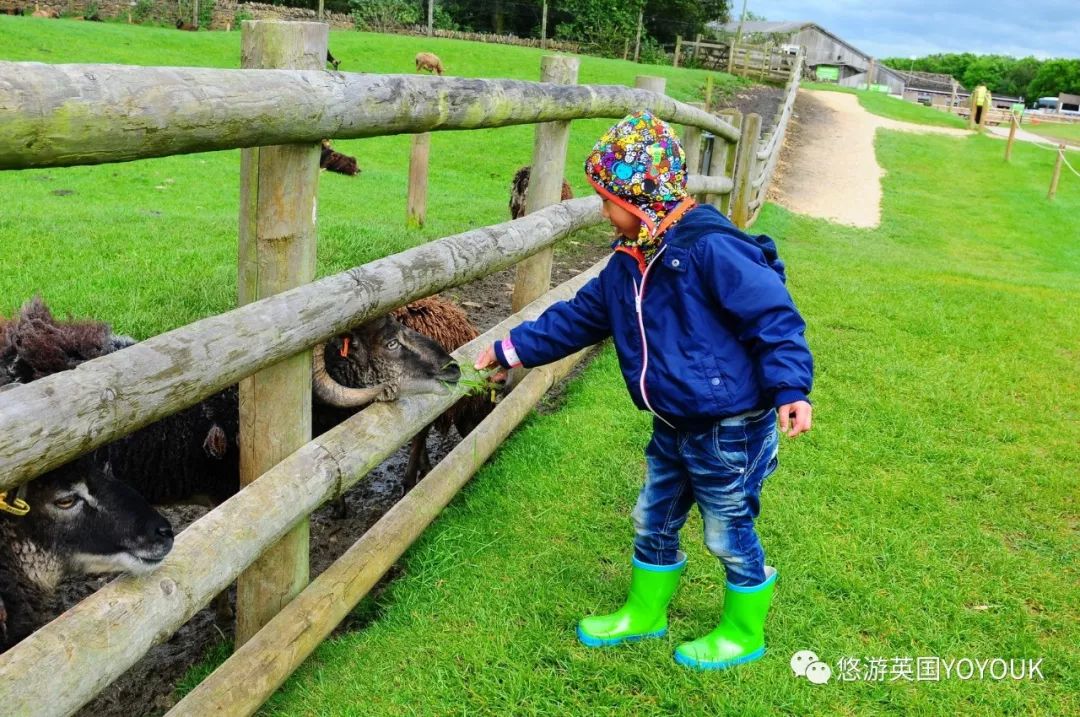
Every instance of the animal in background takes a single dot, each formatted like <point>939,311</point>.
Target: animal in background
<point>186,26</point>
<point>334,62</point>
<point>429,61</point>
<point>519,187</point>
<point>336,161</point>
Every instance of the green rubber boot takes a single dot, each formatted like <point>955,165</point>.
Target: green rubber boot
<point>645,613</point>
<point>740,636</point>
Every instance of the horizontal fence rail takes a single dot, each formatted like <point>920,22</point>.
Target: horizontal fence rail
<point>63,115</point>
<point>51,421</point>
<point>95,641</point>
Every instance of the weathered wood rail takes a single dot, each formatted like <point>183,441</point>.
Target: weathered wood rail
<point>772,143</point>
<point>98,639</point>
<point>54,115</point>
<point>86,114</point>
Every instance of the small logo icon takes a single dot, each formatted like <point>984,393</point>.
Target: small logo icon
<point>805,663</point>
<point>801,660</point>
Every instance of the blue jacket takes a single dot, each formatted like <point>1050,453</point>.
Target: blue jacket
<point>707,331</point>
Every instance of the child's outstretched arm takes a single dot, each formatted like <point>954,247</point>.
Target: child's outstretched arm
<point>562,329</point>
<point>768,323</point>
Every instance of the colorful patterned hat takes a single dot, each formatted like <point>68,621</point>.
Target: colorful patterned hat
<point>640,165</point>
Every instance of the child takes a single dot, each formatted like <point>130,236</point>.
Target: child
<point>709,341</point>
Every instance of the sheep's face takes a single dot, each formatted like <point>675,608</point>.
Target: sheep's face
<point>83,522</point>
<point>385,352</point>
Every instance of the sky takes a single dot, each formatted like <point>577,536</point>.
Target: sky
<point>903,28</point>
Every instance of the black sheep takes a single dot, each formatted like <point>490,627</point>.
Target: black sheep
<point>78,522</point>
<point>193,456</point>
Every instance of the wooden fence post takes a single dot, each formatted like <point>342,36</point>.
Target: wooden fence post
<point>653,84</point>
<point>691,142</point>
<point>416,209</point>
<point>533,277</point>
<point>744,169</point>
<point>708,93</point>
<point>723,163</point>
<point>1057,172</point>
<point>678,49</point>
<point>278,191</point>
<point>1012,136</point>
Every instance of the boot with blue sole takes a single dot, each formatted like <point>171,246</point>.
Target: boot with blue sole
<point>740,636</point>
<point>644,615</point>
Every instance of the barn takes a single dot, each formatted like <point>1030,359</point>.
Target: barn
<point>828,57</point>
<point>932,88</point>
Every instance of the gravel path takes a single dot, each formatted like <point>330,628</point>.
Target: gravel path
<point>828,167</point>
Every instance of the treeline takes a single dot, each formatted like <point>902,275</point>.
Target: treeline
<point>1024,77</point>
<point>602,25</point>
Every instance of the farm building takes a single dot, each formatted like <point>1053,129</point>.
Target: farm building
<point>827,56</point>
<point>931,88</point>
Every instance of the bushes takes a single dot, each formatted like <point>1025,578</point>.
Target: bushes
<point>383,15</point>
<point>141,10</point>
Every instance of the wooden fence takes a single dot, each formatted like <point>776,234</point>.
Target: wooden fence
<point>69,115</point>
<point>767,63</point>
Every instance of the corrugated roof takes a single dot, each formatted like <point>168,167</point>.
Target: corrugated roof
<point>929,81</point>
<point>763,26</point>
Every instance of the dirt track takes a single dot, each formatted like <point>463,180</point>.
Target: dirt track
<point>828,168</point>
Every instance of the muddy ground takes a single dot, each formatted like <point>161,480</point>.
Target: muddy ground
<point>148,688</point>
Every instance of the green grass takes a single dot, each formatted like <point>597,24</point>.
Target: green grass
<point>931,512</point>
<point>1068,133</point>
<point>151,245</point>
<point>879,103</point>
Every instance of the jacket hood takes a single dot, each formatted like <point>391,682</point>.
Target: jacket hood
<point>640,165</point>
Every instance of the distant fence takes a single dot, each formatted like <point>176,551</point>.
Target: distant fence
<point>767,63</point>
<point>66,115</point>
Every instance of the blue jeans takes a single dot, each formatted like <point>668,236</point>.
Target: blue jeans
<point>721,469</point>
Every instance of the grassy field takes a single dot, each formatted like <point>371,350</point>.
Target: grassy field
<point>1067,133</point>
<point>151,245</point>
<point>879,103</point>
<point>931,513</point>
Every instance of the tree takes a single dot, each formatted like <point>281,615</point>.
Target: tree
<point>1055,77</point>
<point>664,19</point>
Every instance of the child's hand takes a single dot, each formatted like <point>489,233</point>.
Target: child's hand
<point>795,418</point>
<point>486,359</point>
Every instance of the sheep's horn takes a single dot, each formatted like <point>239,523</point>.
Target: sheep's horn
<point>333,393</point>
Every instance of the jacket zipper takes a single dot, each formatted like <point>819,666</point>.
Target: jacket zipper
<point>639,295</point>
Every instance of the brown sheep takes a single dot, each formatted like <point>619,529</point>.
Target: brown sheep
<point>186,26</point>
<point>450,328</point>
<point>337,162</point>
<point>429,61</point>
<point>47,12</point>
<point>520,186</point>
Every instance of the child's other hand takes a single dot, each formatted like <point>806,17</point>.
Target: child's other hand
<point>795,418</point>
<point>486,359</point>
